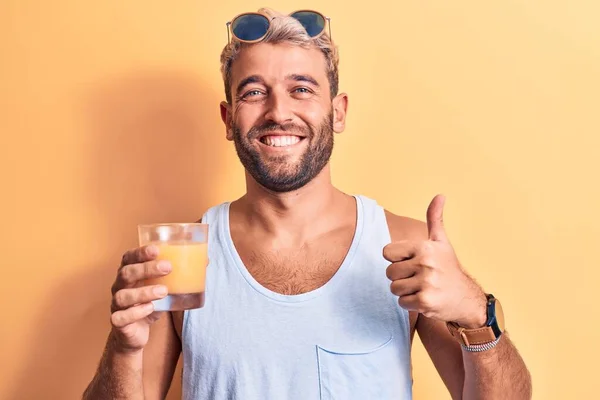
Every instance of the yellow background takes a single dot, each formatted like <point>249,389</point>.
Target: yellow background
<point>109,117</point>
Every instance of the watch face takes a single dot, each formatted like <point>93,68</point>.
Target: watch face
<point>499,315</point>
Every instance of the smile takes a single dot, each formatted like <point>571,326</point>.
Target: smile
<point>280,141</point>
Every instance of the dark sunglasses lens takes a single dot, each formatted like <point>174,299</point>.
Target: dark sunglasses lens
<point>313,23</point>
<point>250,26</point>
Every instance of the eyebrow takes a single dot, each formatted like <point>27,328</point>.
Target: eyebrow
<point>304,78</point>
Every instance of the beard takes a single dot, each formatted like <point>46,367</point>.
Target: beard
<point>279,174</point>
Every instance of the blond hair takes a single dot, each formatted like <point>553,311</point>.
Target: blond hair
<point>284,29</point>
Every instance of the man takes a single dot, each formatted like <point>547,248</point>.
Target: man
<point>312,293</point>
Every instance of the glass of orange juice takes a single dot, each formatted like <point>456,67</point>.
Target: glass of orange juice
<point>186,247</point>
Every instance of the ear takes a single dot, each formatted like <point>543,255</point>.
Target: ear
<point>226,117</point>
<point>340,108</point>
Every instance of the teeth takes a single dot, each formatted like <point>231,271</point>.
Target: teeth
<point>280,141</point>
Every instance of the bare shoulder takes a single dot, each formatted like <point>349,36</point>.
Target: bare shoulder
<point>405,228</point>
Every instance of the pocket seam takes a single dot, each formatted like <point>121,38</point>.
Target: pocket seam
<point>319,374</point>
<point>342,353</point>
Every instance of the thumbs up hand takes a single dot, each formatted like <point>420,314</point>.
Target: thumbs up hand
<point>428,278</point>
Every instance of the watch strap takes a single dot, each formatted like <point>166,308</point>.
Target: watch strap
<point>476,348</point>
<point>469,337</point>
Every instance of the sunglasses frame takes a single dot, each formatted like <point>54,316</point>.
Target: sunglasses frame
<point>229,25</point>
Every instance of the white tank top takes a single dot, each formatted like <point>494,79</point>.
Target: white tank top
<point>348,339</point>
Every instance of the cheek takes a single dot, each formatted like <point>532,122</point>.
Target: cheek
<point>246,116</point>
<point>313,114</point>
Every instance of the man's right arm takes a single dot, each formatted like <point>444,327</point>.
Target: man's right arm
<point>119,375</point>
<point>160,357</point>
<point>125,370</point>
<point>144,375</point>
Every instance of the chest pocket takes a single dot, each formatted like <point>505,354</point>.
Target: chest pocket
<point>380,373</point>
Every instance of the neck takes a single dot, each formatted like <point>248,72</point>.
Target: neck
<point>292,216</point>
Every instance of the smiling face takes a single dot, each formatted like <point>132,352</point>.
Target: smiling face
<point>282,117</point>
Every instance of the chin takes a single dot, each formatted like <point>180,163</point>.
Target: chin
<point>282,183</point>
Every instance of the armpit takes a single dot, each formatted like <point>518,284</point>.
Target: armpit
<point>178,322</point>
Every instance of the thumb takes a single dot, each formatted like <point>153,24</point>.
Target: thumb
<point>435,219</point>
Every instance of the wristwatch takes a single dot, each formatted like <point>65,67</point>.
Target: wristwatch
<point>480,339</point>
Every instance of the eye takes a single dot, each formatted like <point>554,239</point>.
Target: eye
<point>302,92</point>
<point>253,93</point>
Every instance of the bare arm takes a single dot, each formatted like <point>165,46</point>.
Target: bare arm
<point>160,358</point>
<point>119,375</point>
<point>445,353</point>
<point>145,374</point>
<point>142,349</point>
<point>498,373</point>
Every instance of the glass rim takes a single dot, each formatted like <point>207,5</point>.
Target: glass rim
<point>181,224</point>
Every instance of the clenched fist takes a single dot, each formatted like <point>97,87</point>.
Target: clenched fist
<point>428,278</point>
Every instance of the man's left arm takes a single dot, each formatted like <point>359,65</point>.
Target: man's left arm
<point>497,373</point>
<point>428,279</point>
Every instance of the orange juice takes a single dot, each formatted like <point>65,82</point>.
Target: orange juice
<point>188,261</point>
<point>185,246</point>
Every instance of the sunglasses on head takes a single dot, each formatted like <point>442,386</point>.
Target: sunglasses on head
<point>252,27</point>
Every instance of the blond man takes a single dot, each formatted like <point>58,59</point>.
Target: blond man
<point>314,293</point>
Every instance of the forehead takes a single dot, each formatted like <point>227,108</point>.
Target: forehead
<point>276,61</point>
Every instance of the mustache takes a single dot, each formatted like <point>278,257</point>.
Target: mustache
<point>259,130</point>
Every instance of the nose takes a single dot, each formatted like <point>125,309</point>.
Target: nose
<point>279,108</point>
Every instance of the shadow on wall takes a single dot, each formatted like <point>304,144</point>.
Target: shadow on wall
<point>155,148</point>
